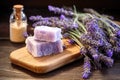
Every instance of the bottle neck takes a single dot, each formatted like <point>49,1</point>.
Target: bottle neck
<point>18,14</point>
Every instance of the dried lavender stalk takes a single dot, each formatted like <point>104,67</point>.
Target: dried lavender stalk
<point>60,11</point>
<point>87,68</point>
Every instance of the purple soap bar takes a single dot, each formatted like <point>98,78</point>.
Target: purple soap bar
<point>45,33</point>
<point>42,48</point>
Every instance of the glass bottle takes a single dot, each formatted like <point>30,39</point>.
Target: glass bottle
<point>18,24</point>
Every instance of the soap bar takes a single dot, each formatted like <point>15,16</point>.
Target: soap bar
<point>45,33</point>
<point>43,48</point>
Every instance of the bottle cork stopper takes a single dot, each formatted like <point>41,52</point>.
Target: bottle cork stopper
<point>18,9</point>
<point>18,6</point>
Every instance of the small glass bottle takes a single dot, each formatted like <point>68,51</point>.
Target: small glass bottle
<point>18,24</point>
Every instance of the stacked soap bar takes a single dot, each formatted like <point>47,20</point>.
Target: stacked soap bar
<point>50,34</point>
<point>46,41</point>
<point>42,48</point>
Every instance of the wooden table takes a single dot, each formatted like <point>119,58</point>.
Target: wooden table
<point>72,71</point>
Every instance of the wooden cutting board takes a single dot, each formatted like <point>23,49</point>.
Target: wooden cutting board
<point>23,58</point>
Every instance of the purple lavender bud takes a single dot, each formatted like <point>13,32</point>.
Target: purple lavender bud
<point>51,8</point>
<point>74,25</point>
<point>87,68</point>
<point>109,52</point>
<point>71,41</point>
<point>118,33</point>
<point>92,26</point>
<point>106,45</point>
<point>95,56</point>
<point>118,44</point>
<point>106,60</point>
<point>85,75</point>
<point>93,52</point>
<point>62,17</point>
<point>25,34</point>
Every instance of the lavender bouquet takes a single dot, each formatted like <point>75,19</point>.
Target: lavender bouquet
<point>97,35</point>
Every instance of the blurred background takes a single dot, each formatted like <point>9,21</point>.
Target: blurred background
<point>39,7</point>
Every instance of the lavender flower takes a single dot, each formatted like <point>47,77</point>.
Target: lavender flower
<point>87,68</point>
<point>25,34</point>
<point>66,24</point>
<point>94,52</point>
<point>109,52</point>
<point>62,17</point>
<point>40,23</point>
<point>117,33</point>
<point>106,45</point>
<point>74,25</point>
<point>106,60</point>
<point>68,21</point>
<point>87,39</point>
<point>92,26</point>
<point>60,11</point>
<point>40,18</point>
<point>71,41</point>
<point>35,18</point>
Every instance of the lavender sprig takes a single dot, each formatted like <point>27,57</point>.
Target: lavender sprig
<point>94,52</point>
<point>60,11</point>
<point>87,68</point>
<point>106,60</point>
<point>40,23</point>
<point>40,18</point>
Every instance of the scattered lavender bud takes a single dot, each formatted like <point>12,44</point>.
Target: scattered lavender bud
<point>25,34</point>
<point>71,41</point>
